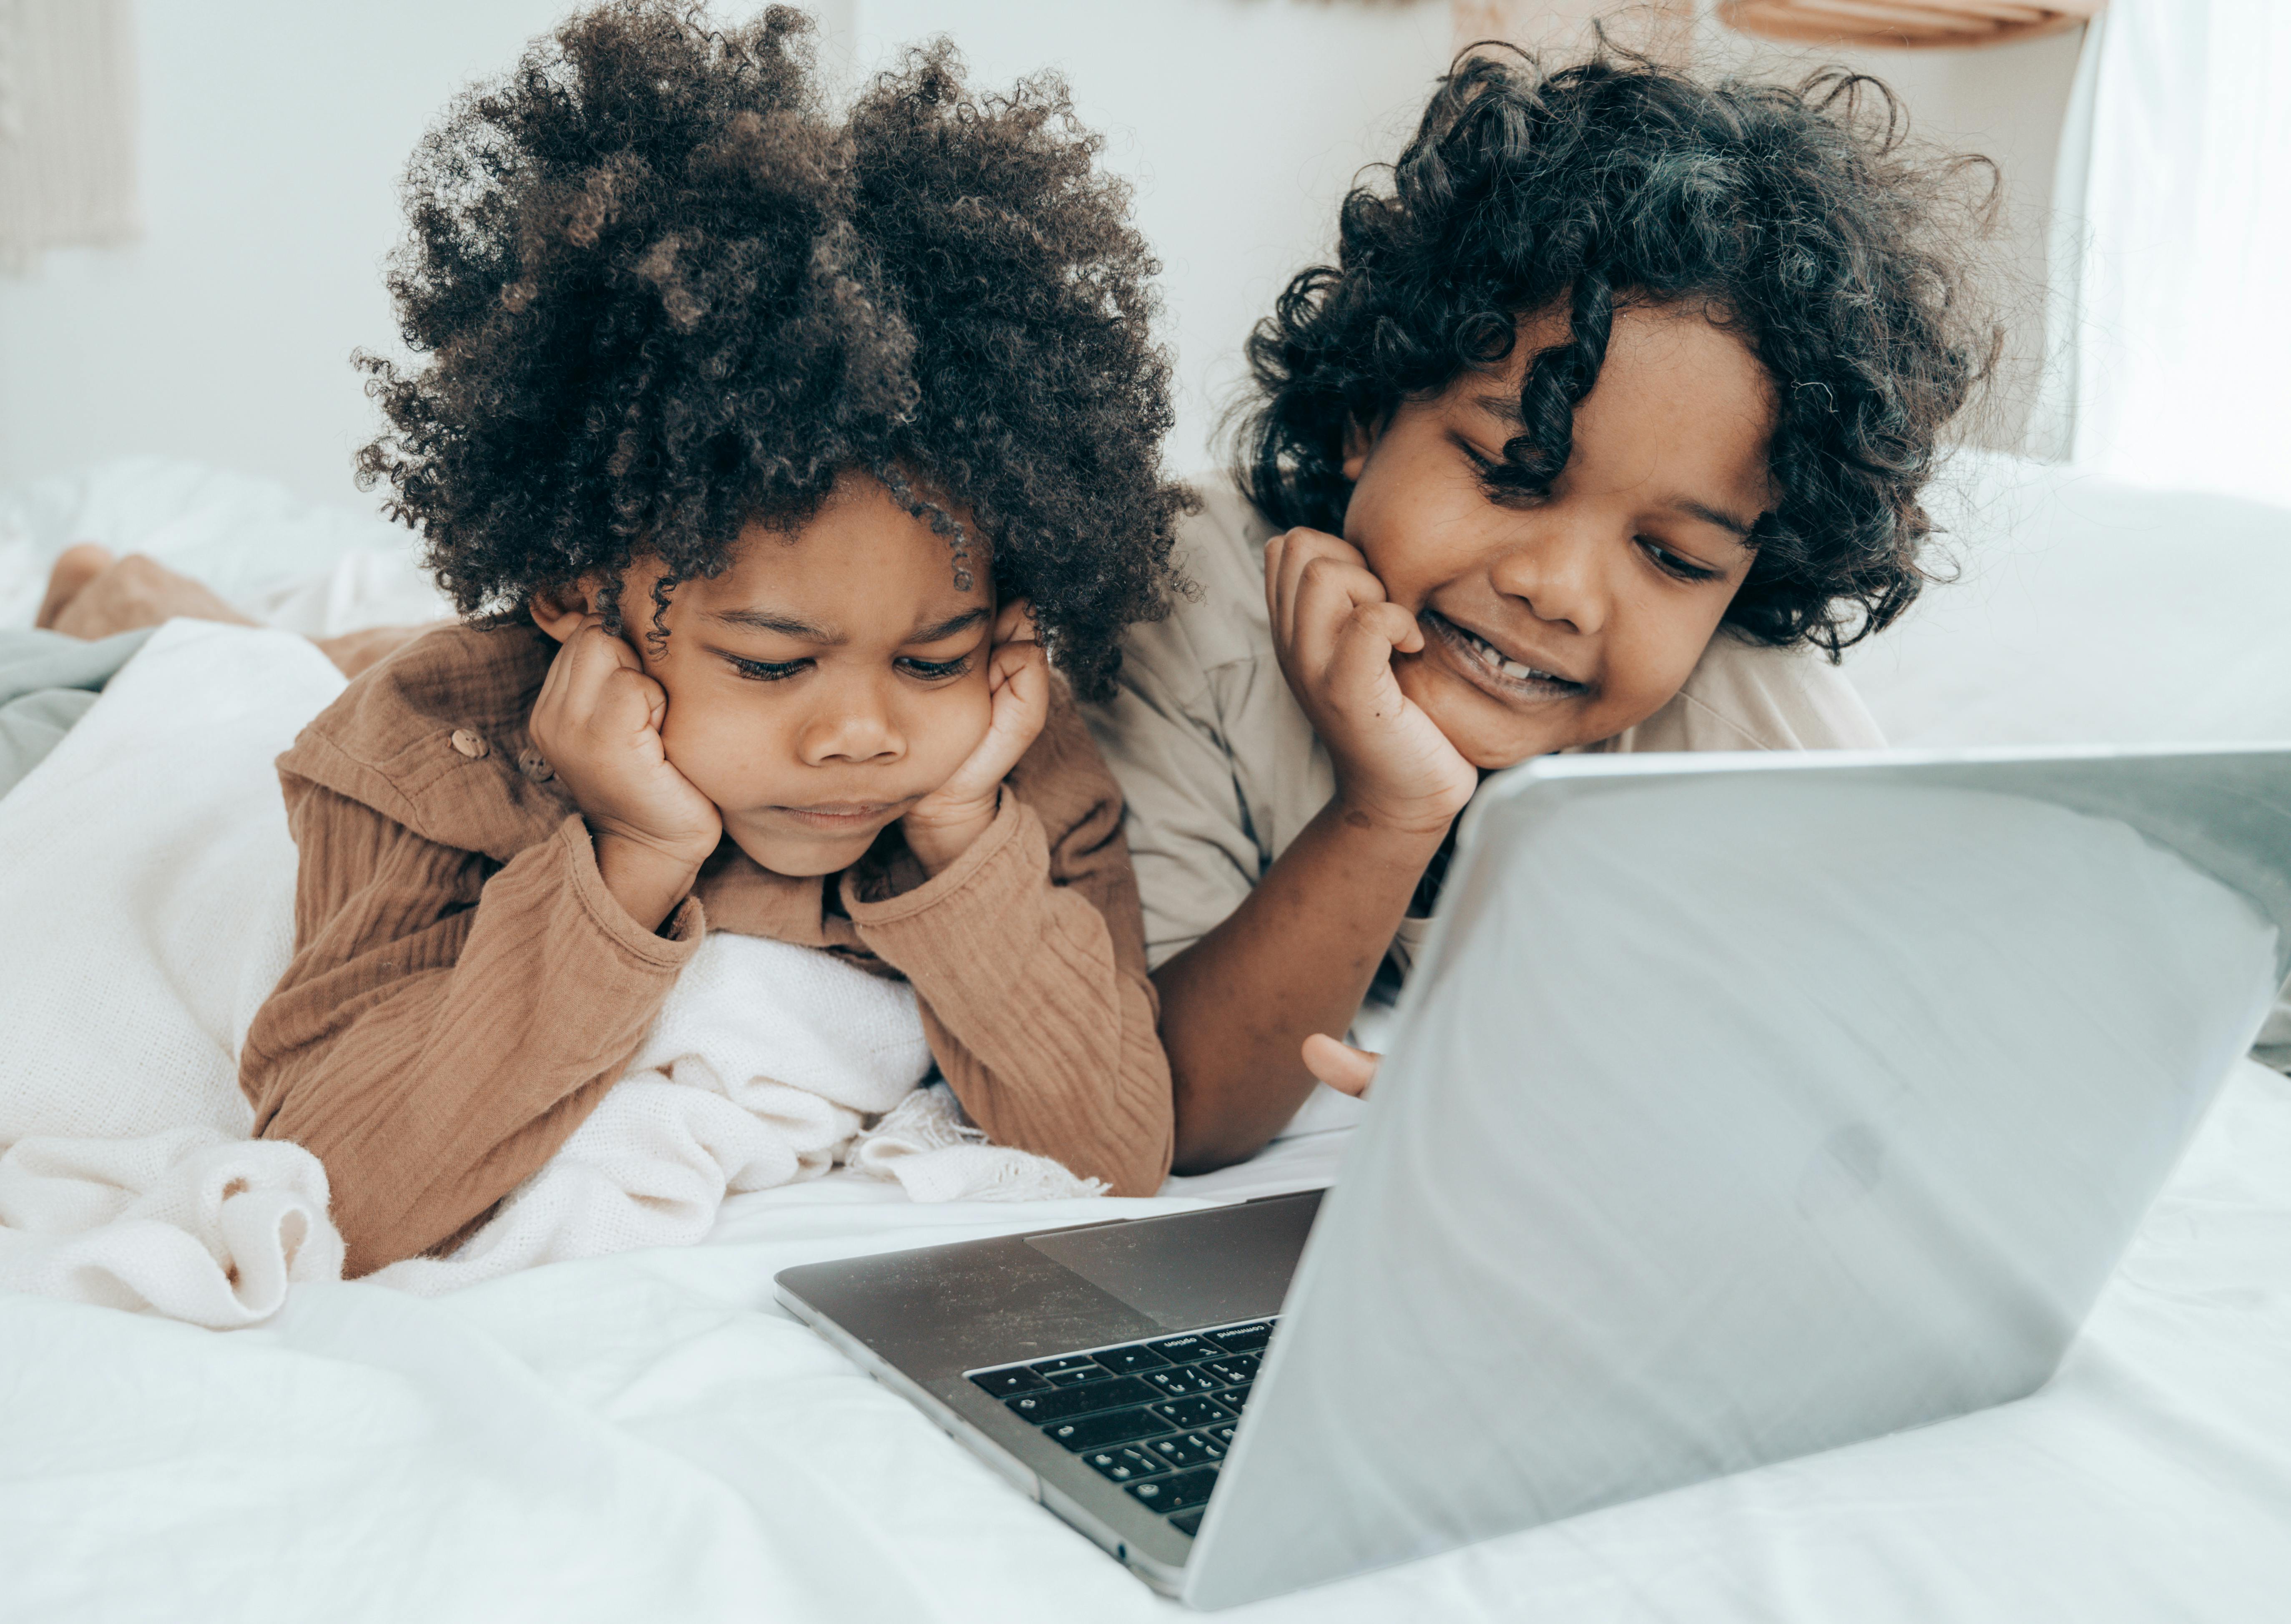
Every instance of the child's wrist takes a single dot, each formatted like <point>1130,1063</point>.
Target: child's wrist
<point>647,881</point>
<point>939,838</point>
<point>1404,825</point>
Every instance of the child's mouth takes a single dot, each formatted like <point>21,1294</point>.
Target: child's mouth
<point>1493,668</point>
<point>839,816</point>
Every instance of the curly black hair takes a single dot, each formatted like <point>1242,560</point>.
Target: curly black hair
<point>663,290</point>
<point>1798,218</point>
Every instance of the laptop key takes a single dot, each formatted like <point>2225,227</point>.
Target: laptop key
<point>1233,1398</point>
<point>1190,1414</point>
<point>1242,1339</point>
<point>1186,1449</point>
<point>1239,1368</point>
<point>1001,1384</point>
<point>1105,1429</point>
<point>1059,1403</point>
<point>1188,1522</point>
<point>1180,1380</point>
<point>1224,1433</point>
<point>1071,1371</point>
<point>1184,1350</point>
<point>1182,1493</point>
<point>1136,1356</point>
<point>1125,1463</point>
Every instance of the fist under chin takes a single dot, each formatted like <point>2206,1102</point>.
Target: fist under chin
<point>1485,731</point>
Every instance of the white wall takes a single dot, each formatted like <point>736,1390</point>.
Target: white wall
<point>2007,102</point>
<point>272,137</point>
<point>274,133</point>
<point>1240,123</point>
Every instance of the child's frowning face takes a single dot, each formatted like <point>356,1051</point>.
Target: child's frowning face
<point>825,680</point>
<point>1562,619</point>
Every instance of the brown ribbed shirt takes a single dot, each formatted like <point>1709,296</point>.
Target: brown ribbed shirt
<point>464,988</point>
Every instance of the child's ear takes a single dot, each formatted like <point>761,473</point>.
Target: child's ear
<point>559,610</point>
<point>1359,440</point>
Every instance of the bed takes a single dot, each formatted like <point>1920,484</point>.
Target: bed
<point>647,1435</point>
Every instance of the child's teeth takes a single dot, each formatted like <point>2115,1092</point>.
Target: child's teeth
<point>1512,669</point>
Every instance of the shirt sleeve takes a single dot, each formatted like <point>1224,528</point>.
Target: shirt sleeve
<point>446,1023</point>
<point>1026,957</point>
<point>1745,696</point>
<point>1196,854</point>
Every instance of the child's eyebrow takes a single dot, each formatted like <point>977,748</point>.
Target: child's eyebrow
<point>786,625</point>
<point>948,627</point>
<point>1710,515</point>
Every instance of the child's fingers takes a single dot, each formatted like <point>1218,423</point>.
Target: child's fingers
<point>1288,558</point>
<point>1012,659</point>
<point>1330,593</point>
<point>595,659</point>
<point>1022,693</point>
<point>654,699</point>
<point>1341,1066</point>
<point>1359,668</point>
<point>555,707</point>
<point>1275,612</point>
<point>1015,624</point>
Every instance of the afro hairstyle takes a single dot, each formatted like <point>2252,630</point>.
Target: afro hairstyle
<point>656,291</point>
<point>1797,217</point>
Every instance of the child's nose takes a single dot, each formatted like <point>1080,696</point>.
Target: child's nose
<point>852,727</point>
<point>1557,576</point>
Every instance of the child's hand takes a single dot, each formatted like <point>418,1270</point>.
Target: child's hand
<point>941,826</point>
<point>1336,633</point>
<point>1341,1066</point>
<point>598,721</point>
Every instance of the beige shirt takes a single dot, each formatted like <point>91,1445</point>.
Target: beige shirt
<point>1221,770</point>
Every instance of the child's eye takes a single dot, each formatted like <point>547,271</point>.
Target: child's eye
<point>1671,564</point>
<point>1500,481</point>
<point>766,670</point>
<point>935,671</point>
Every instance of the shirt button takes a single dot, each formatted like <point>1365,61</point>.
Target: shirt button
<point>469,743</point>
<point>535,766</point>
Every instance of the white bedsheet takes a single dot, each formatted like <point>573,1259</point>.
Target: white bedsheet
<point>647,1436</point>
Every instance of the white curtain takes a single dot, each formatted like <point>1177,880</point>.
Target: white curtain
<point>67,127</point>
<point>2181,330</point>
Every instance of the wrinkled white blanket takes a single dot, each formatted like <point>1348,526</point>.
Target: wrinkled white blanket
<point>146,912</point>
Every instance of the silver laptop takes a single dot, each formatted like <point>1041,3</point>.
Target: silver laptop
<point>1740,1106</point>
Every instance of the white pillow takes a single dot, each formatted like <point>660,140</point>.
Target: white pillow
<point>2090,611</point>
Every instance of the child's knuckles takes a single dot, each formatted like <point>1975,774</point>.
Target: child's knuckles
<point>1366,623</point>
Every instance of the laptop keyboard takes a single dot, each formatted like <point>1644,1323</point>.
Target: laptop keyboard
<point>1155,1417</point>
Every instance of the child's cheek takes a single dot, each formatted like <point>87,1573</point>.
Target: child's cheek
<point>718,756</point>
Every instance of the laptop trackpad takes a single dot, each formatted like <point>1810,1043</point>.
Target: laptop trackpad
<point>1193,1268</point>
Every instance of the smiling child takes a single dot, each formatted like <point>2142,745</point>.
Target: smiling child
<point>772,460</point>
<point>1615,408</point>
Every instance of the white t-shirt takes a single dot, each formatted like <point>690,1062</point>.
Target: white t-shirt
<point>1221,771</point>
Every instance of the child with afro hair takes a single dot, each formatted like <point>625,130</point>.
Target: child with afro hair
<point>1611,417</point>
<point>772,458</point>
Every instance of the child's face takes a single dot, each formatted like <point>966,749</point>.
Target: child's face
<point>825,681</point>
<point>1565,619</point>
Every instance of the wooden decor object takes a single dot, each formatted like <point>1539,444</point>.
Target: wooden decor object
<point>1904,24</point>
